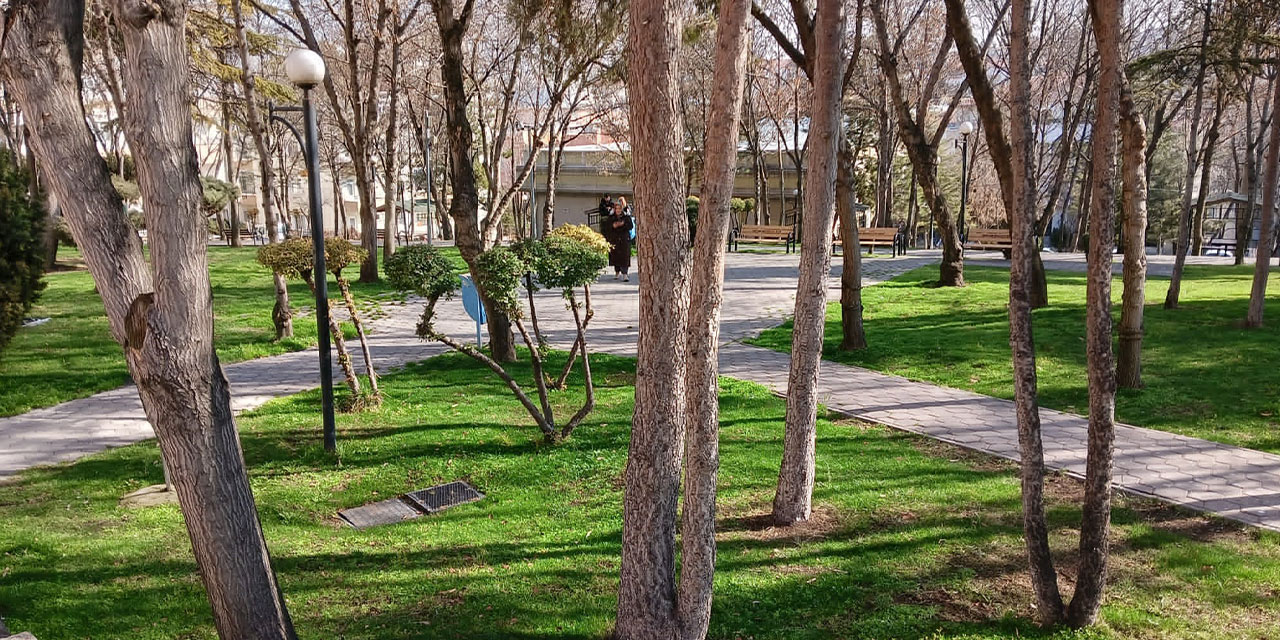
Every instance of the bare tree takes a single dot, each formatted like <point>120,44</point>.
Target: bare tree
<point>793,501</point>
<point>281,314</point>
<point>1266,240</point>
<point>702,447</point>
<point>165,324</point>
<point>1134,296</point>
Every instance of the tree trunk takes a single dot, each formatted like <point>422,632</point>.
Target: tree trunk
<point>464,208</point>
<point>1133,299</point>
<point>1206,171</point>
<point>885,147</point>
<point>1095,522</point>
<point>794,499</point>
<point>168,333</point>
<point>1253,137</point>
<point>233,217</point>
<point>364,341</point>
<point>924,158</point>
<point>1022,218</point>
<point>853,336</point>
<point>646,593</point>
<point>1267,236</point>
<point>282,313</point>
<point>390,161</point>
<point>1193,152</point>
<point>702,447</point>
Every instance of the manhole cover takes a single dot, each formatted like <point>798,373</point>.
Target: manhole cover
<point>443,496</point>
<point>376,513</point>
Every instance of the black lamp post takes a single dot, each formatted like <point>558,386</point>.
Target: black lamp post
<point>305,68</point>
<point>966,129</point>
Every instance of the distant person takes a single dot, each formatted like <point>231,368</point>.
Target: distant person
<point>605,210</point>
<point>617,230</point>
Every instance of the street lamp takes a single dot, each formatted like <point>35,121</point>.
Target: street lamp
<point>966,129</point>
<point>305,69</point>
<point>530,138</point>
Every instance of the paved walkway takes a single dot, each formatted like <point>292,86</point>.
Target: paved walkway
<point>1235,483</point>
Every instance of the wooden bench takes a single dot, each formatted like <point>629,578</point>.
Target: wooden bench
<point>763,233</point>
<point>989,240</point>
<point>872,237</point>
<point>245,234</point>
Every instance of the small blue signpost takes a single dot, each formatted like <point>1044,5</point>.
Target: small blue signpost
<point>475,308</point>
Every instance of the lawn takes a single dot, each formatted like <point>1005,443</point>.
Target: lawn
<point>73,355</point>
<point>1205,376</point>
<point>911,539</point>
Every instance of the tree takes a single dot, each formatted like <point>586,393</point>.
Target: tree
<point>282,312</point>
<point>567,259</point>
<point>646,594</point>
<point>1015,155</point>
<point>922,146</point>
<point>355,100</point>
<point>472,236</point>
<point>295,258</point>
<point>1270,183</point>
<point>165,325</point>
<point>702,447</point>
<point>1193,153</point>
<point>22,218</point>
<point>793,501</point>
<point>1134,296</point>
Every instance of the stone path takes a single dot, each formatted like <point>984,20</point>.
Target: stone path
<point>1235,483</point>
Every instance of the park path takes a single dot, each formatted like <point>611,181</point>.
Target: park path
<point>1235,483</point>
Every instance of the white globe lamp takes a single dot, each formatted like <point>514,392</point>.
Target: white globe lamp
<point>966,128</point>
<point>304,67</point>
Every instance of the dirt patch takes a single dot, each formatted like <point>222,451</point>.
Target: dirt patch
<point>972,459</point>
<point>759,525</point>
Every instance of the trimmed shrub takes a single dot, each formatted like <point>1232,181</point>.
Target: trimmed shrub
<point>22,219</point>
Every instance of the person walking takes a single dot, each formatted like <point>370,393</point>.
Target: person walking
<point>617,228</point>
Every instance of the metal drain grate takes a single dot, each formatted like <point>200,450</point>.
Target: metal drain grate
<point>376,513</point>
<point>441,497</point>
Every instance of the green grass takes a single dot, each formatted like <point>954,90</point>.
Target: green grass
<point>73,355</point>
<point>912,539</point>
<point>1205,376</point>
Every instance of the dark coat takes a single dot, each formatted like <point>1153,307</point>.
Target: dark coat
<point>620,237</point>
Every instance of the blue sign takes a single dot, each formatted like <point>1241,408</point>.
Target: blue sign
<point>471,302</point>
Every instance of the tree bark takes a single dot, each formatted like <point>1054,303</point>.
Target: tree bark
<point>1267,236</point>
<point>1193,152</point>
<point>1096,518</point>
<point>464,208</point>
<point>167,332</point>
<point>853,336</point>
<point>646,593</point>
<point>924,157</point>
<point>1206,171</point>
<point>282,313</point>
<point>233,217</point>
<point>1133,299</point>
<point>390,158</point>
<point>793,501</point>
<point>1020,204</point>
<point>702,446</point>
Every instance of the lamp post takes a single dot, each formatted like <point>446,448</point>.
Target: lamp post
<point>528,137</point>
<point>305,69</point>
<point>966,129</point>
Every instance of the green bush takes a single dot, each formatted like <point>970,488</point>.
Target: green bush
<point>22,219</point>
<point>292,258</point>
<point>424,270</point>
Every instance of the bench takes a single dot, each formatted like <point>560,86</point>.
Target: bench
<point>763,233</point>
<point>871,237</point>
<point>245,234</point>
<point>989,240</point>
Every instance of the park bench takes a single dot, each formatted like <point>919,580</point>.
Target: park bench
<point>989,240</point>
<point>245,234</point>
<point>776,234</point>
<point>871,237</point>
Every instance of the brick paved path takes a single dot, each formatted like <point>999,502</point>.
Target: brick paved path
<point>1235,483</point>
